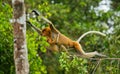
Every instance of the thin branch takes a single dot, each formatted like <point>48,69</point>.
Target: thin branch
<point>98,63</point>
<point>95,58</point>
<point>118,66</point>
<point>105,58</point>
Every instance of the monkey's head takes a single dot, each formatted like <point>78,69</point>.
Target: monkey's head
<point>46,32</point>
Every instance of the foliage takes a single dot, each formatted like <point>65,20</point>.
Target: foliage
<point>72,18</point>
<point>36,43</point>
<point>73,65</point>
<point>6,42</point>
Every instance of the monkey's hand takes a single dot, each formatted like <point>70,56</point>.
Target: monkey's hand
<point>50,41</point>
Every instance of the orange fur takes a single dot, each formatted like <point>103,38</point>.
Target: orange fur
<point>57,40</point>
<point>47,33</point>
<point>51,33</point>
<point>52,39</point>
<point>62,40</point>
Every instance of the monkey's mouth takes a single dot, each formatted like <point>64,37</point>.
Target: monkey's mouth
<point>43,35</point>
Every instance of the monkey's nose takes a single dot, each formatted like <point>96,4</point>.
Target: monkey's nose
<point>43,34</point>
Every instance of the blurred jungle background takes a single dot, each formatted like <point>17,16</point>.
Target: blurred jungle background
<point>72,18</point>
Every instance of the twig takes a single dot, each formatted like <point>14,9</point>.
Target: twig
<point>97,58</point>
<point>118,66</point>
<point>96,66</point>
<point>105,58</point>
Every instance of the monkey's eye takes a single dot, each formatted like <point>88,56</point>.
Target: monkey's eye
<point>49,32</point>
<point>43,30</point>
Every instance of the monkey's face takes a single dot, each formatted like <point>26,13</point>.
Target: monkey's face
<point>46,32</point>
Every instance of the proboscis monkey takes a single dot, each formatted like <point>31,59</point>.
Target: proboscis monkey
<point>55,38</point>
<point>61,39</point>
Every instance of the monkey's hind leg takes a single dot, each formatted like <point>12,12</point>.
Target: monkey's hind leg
<point>64,49</point>
<point>92,54</point>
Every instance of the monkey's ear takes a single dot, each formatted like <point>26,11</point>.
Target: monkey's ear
<point>53,29</point>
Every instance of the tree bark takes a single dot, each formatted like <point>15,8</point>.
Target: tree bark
<point>19,31</point>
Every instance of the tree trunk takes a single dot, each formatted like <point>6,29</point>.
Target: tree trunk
<point>20,47</point>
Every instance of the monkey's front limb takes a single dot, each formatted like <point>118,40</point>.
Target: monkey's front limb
<point>35,28</point>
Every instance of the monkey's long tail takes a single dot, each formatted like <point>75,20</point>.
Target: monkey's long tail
<point>90,32</point>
